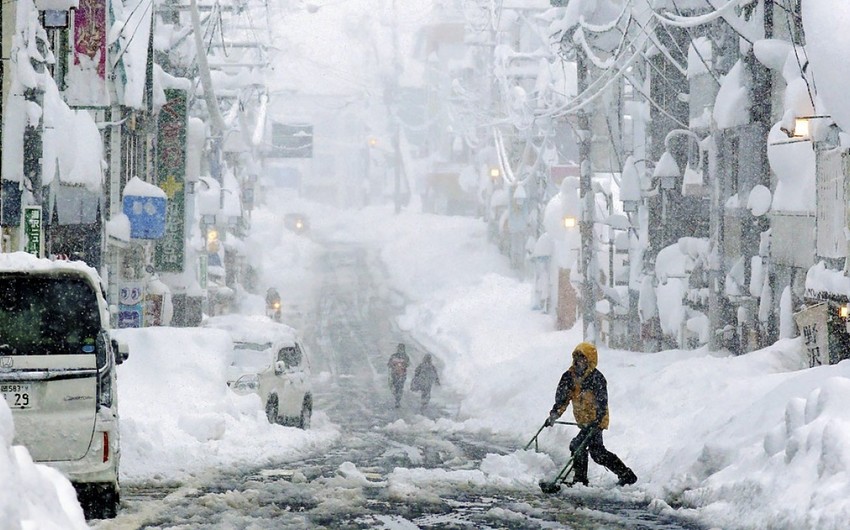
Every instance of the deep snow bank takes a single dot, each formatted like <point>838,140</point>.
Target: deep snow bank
<point>34,495</point>
<point>178,418</point>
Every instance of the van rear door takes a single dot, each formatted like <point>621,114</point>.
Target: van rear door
<point>54,402</point>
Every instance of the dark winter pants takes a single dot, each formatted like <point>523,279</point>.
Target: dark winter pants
<point>426,395</point>
<point>397,384</point>
<point>597,451</point>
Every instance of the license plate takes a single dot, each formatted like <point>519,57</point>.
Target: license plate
<point>17,395</point>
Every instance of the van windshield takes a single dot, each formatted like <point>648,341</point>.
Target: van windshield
<point>47,315</point>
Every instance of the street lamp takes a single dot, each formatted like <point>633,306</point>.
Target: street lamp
<point>570,221</point>
<point>802,127</point>
<point>212,240</point>
<point>667,171</point>
<point>495,174</point>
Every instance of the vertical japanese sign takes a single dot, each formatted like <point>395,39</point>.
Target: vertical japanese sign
<point>171,177</point>
<point>33,235</point>
<point>88,69</point>
<point>812,322</point>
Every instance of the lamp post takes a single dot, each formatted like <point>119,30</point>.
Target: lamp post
<point>707,148</point>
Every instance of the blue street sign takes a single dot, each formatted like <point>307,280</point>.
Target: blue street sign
<point>147,216</point>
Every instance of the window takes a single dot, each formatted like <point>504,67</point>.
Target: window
<point>290,355</point>
<point>47,315</point>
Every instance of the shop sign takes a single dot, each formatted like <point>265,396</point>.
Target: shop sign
<point>171,178</point>
<point>812,322</point>
<point>33,233</point>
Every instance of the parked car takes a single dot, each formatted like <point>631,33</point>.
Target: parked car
<point>58,373</point>
<point>268,360</point>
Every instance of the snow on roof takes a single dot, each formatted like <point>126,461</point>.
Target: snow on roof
<point>819,279</point>
<point>25,262</point>
<point>732,106</point>
<point>28,263</point>
<point>208,196</point>
<point>137,187</point>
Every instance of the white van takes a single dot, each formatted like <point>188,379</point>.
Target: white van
<point>57,373</point>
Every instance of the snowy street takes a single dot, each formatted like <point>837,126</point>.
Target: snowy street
<point>389,468</point>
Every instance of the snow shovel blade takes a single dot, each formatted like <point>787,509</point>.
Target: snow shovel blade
<point>549,487</point>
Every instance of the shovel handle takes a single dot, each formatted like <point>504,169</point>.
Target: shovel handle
<point>569,465</point>
<point>534,439</point>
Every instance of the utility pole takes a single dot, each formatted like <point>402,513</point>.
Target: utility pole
<point>393,108</point>
<point>33,143</point>
<point>587,267</point>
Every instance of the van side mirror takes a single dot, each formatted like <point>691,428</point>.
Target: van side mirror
<point>121,349</point>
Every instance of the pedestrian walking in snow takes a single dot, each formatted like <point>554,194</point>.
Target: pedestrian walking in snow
<point>424,377</point>
<point>397,374</point>
<point>585,387</point>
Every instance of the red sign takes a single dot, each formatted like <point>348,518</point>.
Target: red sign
<point>88,72</point>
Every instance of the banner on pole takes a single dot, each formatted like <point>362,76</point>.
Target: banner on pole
<point>87,71</point>
<point>171,177</point>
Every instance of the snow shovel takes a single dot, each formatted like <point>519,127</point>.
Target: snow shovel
<point>555,485</point>
<point>534,439</point>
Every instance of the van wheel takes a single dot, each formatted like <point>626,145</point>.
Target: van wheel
<point>99,500</point>
<point>306,413</point>
<point>272,409</point>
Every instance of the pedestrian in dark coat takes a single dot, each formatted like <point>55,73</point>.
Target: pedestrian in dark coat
<point>586,388</point>
<point>397,372</point>
<point>423,378</point>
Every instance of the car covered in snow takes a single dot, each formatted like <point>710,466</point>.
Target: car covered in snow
<point>58,373</point>
<point>269,360</point>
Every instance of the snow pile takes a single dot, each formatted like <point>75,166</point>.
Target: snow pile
<point>34,496</point>
<point>178,418</point>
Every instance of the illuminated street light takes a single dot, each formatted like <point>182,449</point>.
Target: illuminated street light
<point>570,221</point>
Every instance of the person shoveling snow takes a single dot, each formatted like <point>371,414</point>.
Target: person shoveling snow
<point>586,388</point>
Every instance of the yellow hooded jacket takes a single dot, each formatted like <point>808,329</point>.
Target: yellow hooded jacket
<point>588,393</point>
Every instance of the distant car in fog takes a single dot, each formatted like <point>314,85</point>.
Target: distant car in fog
<point>268,360</point>
<point>297,222</point>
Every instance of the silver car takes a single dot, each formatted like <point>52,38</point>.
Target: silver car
<point>58,373</point>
